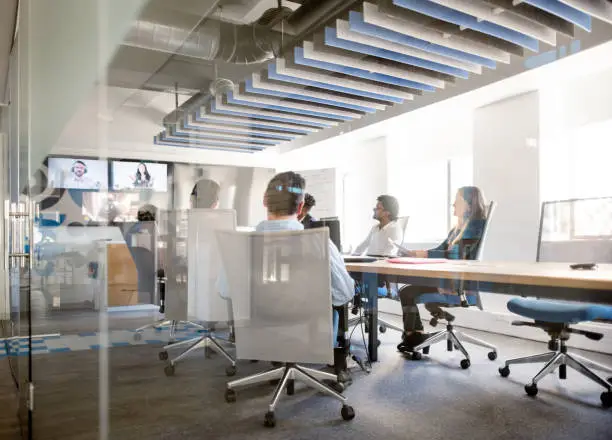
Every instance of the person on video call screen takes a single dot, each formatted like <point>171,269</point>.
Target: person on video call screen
<point>142,178</point>
<point>78,177</point>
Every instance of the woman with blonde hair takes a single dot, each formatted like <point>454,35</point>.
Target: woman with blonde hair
<point>470,210</point>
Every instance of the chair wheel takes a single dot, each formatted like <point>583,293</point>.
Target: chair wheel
<point>492,355</point>
<point>169,370</point>
<point>163,355</point>
<point>531,389</point>
<point>269,420</point>
<point>425,350</point>
<point>553,345</point>
<point>465,364</point>
<point>230,396</point>
<point>606,399</point>
<point>348,413</point>
<point>230,371</point>
<point>382,329</point>
<point>504,371</point>
<point>433,322</point>
<point>137,336</point>
<point>416,356</point>
<point>290,387</point>
<point>336,386</point>
<point>378,342</point>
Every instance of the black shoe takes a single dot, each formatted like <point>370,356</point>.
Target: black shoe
<point>411,341</point>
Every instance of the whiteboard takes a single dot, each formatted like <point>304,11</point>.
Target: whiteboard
<point>321,184</point>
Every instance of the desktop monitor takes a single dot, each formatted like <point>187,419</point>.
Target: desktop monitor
<point>74,173</point>
<point>334,229</point>
<point>132,175</point>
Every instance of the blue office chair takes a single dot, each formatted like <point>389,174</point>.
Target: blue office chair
<point>470,249</point>
<point>560,222</point>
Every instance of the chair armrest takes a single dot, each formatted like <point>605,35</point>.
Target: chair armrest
<point>591,335</point>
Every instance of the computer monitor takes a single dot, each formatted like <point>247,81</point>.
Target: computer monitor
<point>334,229</point>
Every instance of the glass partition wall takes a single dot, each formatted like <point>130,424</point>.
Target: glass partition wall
<point>18,210</point>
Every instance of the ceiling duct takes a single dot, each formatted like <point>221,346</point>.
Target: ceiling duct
<point>212,40</point>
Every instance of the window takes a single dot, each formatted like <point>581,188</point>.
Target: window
<point>427,193</point>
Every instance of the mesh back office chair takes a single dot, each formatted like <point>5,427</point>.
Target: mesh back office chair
<point>203,300</point>
<point>279,283</point>
<point>470,249</point>
<point>136,234</point>
<point>570,231</point>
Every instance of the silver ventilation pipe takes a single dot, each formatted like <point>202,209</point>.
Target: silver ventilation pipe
<point>212,40</point>
<point>240,44</point>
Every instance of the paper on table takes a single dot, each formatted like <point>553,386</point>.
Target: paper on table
<point>411,260</point>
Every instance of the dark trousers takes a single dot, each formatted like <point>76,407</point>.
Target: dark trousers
<point>410,312</point>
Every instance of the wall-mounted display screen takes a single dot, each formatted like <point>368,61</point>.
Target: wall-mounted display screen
<point>72,173</point>
<point>128,175</point>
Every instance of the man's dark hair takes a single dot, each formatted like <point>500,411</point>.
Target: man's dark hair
<point>284,193</point>
<point>207,192</point>
<point>147,213</point>
<point>389,204</point>
<point>309,201</point>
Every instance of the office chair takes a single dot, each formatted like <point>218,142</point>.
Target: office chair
<point>568,230</point>
<point>279,283</point>
<point>470,249</point>
<point>202,300</point>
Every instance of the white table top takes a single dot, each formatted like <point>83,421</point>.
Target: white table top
<point>532,274</point>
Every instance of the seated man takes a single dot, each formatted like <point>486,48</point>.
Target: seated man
<point>284,199</point>
<point>377,241</point>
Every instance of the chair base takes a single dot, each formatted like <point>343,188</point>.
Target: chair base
<point>208,342</point>
<point>455,339</point>
<point>163,323</point>
<point>561,359</point>
<point>287,375</point>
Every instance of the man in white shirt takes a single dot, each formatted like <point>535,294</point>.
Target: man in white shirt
<point>377,242</point>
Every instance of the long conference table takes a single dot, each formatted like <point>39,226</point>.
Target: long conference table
<point>542,280</point>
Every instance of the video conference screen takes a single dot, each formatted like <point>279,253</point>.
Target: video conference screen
<point>139,175</point>
<point>71,173</point>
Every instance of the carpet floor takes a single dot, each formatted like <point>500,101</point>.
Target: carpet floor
<point>400,399</point>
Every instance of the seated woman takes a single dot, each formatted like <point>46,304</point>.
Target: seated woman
<point>469,208</point>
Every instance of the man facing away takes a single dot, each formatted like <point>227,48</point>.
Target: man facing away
<point>284,199</point>
<point>205,194</point>
<point>377,242</point>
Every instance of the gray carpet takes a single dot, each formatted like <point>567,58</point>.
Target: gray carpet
<point>429,399</point>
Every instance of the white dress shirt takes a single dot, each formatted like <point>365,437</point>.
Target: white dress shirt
<point>377,241</point>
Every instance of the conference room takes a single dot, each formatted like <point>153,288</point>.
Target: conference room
<point>239,219</point>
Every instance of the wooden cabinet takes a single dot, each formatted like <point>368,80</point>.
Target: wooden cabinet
<point>122,276</point>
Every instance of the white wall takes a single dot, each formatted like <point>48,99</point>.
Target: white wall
<point>572,113</point>
<point>506,168</point>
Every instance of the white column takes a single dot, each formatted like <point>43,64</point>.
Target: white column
<point>506,168</point>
